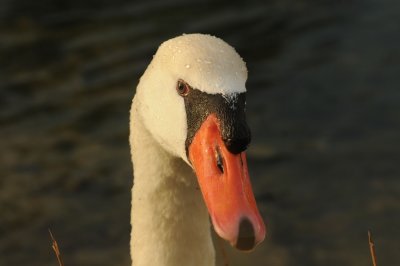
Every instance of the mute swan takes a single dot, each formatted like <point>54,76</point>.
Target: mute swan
<point>188,137</point>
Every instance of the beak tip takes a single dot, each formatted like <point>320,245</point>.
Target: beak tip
<point>249,237</point>
<point>246,239</point>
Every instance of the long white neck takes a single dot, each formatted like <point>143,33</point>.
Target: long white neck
<point>170,224</point>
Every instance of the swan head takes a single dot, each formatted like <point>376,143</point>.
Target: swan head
<point>192,101</point>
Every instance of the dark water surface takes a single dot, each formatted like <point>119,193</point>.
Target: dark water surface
<point>323,106</point>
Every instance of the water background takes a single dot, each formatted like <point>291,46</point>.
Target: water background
<point>323,106</point>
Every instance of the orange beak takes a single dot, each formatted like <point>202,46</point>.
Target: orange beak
<point>226,188</point>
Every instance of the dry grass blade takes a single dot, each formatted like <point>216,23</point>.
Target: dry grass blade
<point>372,248</point>
<point>54,245</point>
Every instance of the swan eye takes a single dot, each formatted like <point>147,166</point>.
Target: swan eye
<point>182,88</point>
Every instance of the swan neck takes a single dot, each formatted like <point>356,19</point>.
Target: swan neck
<point>170,223</point>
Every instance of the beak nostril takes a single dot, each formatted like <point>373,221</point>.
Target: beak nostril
<point>220,163</point>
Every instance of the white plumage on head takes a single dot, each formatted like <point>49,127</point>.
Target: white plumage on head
<point>206,63</point>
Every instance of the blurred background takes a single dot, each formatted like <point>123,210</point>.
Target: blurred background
<point>323,106</point>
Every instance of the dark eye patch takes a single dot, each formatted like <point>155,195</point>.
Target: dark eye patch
<point>230,112</point>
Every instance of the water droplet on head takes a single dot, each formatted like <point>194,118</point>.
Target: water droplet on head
<point>187,66</point>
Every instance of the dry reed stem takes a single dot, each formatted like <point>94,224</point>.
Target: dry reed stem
<point>372,248</point>
<point>54,245</point>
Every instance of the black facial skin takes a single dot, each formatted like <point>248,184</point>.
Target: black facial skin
<point>234,129</point>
